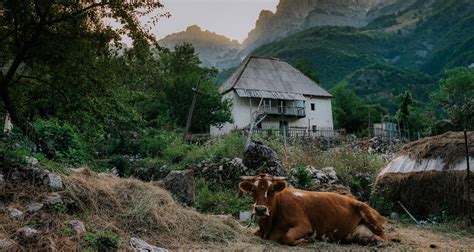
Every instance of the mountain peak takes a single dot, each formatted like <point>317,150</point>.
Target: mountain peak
<point>293,16</point>
<point>194,29</point>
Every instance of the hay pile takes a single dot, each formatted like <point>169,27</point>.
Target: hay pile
<point>448,146</point>
<point>125,207</point>
<point>425,192</point>
<point>134,208</point>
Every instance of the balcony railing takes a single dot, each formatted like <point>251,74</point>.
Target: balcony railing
<point>283,110</point>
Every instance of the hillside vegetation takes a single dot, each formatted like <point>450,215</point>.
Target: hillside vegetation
<point>408,50</point>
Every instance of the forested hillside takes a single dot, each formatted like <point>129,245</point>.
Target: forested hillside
<point>406,51</point>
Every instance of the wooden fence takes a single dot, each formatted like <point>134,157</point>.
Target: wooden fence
<point>302,132</point>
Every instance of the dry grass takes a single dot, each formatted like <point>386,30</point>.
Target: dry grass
<point>426,193</point>
<point>135,208</point>
<point>449,146</point>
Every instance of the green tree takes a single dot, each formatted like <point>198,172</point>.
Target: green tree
<point>455,98</point>
<point>403,113</point>
<point>56,46</point>
<point>304,66</point>
<point>182,75</point>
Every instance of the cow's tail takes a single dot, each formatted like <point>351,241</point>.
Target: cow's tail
<point>372,219</point>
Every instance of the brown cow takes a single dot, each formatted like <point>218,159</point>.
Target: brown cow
<point>291,216</point>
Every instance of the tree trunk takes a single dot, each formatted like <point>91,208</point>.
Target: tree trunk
<point>16,118</point>
<point>7,126</point>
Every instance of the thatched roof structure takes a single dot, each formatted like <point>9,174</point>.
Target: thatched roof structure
<point>429,175</point>
<point>272,78</point>
<point>438,153</point>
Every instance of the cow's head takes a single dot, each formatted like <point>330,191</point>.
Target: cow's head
<point>263,189</point>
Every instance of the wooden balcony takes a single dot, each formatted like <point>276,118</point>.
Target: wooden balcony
<point>291,110</point>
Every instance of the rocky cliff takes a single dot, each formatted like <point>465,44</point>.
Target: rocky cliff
<point>293,16</point>
<point>214,50</point>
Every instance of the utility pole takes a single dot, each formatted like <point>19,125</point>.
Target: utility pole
<point>191,110</point>
<point>468,183</point>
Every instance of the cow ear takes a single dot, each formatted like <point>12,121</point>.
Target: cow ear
<point>246,186</point>
<point>279,186</point>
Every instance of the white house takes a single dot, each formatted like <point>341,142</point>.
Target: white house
<point>268,93</point>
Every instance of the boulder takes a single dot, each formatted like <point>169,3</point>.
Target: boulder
<point>53,181</point>
<point>331,174</point>
<point>27,235</point>
<point>260,158</point>
<point>8,245</point>
<point>222,174</point>
<point>142,246</point>
<point>325,176</point>
<point>15,213</point>
<point>31,160</point>
<point>181,185</point>
<point>34,207</point>
<point>77,226</point>
<point>52,198</point>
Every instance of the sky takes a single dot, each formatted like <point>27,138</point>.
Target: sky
<point>231,18</point>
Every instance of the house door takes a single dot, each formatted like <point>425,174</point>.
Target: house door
<point>284,127</point>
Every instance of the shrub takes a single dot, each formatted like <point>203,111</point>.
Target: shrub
<point>102,240</point>
<point>65,140</point>
<point>229,146</point>
<point>152,144</point>
<point>219,202</point>
<point>302,177</point>
<point>176,151</point>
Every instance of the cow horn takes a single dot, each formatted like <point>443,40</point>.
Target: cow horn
<point>246,178</point>
<point>279,178</point>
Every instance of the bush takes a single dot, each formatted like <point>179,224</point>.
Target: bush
<point>219,202</point>
<point>102,240</point>
<point>229,146</point>
<point>65,140</point>
<point>176,151</point>
<point>302,178</point>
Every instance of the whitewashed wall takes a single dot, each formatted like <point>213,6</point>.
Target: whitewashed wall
<point>321,117</point>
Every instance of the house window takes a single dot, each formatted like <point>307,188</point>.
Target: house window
<point>315,128</point>
<point>313,106</point>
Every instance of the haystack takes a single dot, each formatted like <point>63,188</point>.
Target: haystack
<point>429,175</point>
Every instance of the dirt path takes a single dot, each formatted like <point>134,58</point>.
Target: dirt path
<point>413,238</point>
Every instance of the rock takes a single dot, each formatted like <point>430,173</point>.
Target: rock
<point>53,181</point>
<point>52,198</point>
<point>27,235</point>
<point>331,173</point>
<point>142,246</point>
<point>15,213</point>
<point>8,245</point>
<point>77,226</point>
<point>222,174</point>
<point>31,160</point>
<point>78,170</point>
<point>114,172</point>
<point>326,176</point>
<point>260,158</point>
<point>34,207</point>
<point>181,184</point>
